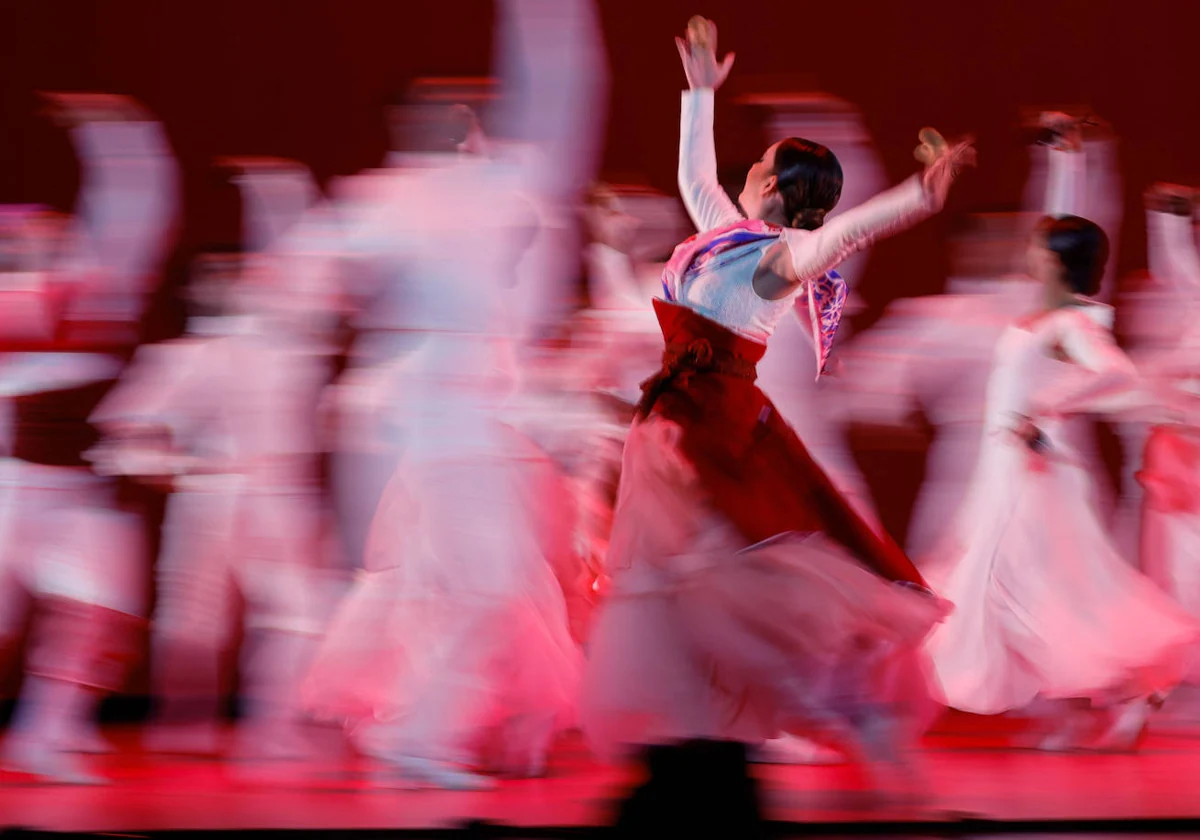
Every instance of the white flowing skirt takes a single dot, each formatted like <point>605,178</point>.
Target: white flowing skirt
<point>704,637</point>
<point>1044,606</point>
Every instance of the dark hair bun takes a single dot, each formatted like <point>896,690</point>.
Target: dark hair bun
<point>808,218</point>
<point>809,180</point>
<point>1082,248</point>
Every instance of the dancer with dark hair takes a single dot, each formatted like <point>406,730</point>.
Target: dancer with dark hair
<point>748,597</point>
<point>1045,607</point>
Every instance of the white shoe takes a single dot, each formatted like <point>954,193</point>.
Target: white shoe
<point>440,774</point>
<point>1068,736</point>
<point>1127,727</point>
<point>796,751</point>
<point>37,758</point>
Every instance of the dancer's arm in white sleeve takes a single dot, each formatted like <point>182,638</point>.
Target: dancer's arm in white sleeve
<point>276,194</point>
<point>549,55</point>
<point>159,388</point>
<point>1111,384</point>
<point>813,253</point>
<point>705,199</point>
<point>129,199</point>
<point>1065,183</point>
<point>1171,243</point>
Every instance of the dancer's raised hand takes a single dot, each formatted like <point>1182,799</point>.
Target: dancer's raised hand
<point>1175,199</point>
<point>699,55</point>
<point>943,162</point>
<point>1062,131</point>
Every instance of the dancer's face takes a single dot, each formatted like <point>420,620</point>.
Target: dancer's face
<point>1045,266</point>
<point>760,197</point>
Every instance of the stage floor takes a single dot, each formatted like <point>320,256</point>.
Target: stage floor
<point>973,773</point>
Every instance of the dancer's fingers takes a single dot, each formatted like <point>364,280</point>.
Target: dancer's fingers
<point>702,33</point>
<point>726,66</point>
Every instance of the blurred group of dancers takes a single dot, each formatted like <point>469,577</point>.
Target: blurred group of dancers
<point>638,516</point>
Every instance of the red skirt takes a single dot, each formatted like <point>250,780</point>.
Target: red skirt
<point>750,463</point>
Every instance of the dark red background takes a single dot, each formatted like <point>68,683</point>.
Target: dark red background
<point>306,79</point>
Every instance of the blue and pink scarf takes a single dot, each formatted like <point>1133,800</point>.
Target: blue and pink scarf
<point>822,305</point>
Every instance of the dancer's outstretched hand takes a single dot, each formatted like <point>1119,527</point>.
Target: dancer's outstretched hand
<point>255,164</point>
<point>943,162</point>
<point>1175,199</point>
<point>699,55</point>
<point>72,109</point>
<point>1063,132</point>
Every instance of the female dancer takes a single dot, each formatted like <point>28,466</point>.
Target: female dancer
<point>1045,608</point>
<point>745,589</point>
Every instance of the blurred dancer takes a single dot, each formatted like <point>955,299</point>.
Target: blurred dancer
<point>1096,194</point>
<point>625,347</point>
<point>1098,188</point>
<point>230,413</point>
<point>1170,475</point>
<point>932,356</point>
<point>1154,317</point>
<point>65,547</point>
<point>1043,601</point>
<point>721,625</point>
<point>453,653</point>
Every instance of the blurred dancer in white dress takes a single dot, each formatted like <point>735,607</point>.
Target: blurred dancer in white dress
<point>1095,193</point>
<point>1045,607</point>
<point>1170,475</point>
<point>452,653</point>
<point>233,407</point>
<point>1153,317</point>
<point>931,356</point>
<point>68,322</point>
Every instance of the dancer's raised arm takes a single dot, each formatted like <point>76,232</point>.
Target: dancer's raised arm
<point>1172,254</point>
<point>814,252</point>
<point>129,199</point>
<point>703,196</point>
<point>1065,182</point>
<point>1110,383</point>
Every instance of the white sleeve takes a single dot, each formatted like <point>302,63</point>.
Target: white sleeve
<point>705,200</point>
<point>272,203</point>
<point>1111,384</point>
<point>550,57</point>
<point>1065,184</point>
<point>815,252</point>
<point>161,386</point>
<point>129,201</point>
<point>864,177</point>
<point>1172,251</point>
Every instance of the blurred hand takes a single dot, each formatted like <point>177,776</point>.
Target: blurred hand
<point>1065,132</point>
<point>699,55</point>
<point>943,162</point>
<point>236,165</point>
<point>72,109</point>
<point>1175,199</point>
